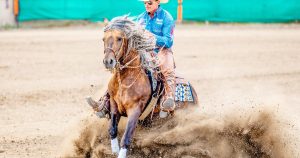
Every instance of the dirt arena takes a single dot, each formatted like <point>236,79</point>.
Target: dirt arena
<point>237,70</point>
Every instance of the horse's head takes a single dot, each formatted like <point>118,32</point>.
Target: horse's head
<point>123,38</point>
<point>114,47</point>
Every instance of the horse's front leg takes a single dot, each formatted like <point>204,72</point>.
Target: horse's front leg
<point>113,127</point>
<point>133,116</point>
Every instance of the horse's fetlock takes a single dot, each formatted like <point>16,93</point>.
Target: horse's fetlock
<point>113,133</point>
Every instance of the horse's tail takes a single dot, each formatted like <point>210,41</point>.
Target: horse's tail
<point>195,96</point>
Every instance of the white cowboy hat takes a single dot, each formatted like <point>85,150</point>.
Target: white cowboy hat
<point>161,1</point>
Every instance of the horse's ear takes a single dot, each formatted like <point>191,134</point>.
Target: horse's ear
<point>105,21</point>
<point>126,16</point>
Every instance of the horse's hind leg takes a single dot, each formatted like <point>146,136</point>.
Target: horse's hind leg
<point>133,116</point>
<point>113,130</point>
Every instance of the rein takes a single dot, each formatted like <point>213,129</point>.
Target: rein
<point>127,86</point>
<point>121,67</point>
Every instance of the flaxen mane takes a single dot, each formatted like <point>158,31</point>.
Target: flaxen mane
<point>138,39</point>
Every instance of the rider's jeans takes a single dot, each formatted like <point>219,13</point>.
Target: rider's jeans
<point>167,67</point>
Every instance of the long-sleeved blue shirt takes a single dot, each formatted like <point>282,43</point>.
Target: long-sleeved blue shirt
<point>161,25</point>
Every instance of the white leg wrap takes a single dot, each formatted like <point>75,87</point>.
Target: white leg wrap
<point>122,153</point>
<point>115,146</point>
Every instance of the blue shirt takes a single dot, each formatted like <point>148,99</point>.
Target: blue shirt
<point>161,25</point>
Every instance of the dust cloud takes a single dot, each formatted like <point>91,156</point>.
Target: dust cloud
<point>190,133</point>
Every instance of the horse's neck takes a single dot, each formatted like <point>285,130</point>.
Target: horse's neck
<point>128,75</point>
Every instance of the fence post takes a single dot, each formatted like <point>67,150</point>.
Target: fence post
<point>16,11</point>
<point>179,11</point>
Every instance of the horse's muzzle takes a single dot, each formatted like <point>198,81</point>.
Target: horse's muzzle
<point>109,63</point>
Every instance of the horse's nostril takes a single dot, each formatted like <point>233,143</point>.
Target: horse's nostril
<point>111,61</point>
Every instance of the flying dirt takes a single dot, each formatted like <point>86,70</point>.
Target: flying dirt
<point>189,133</point>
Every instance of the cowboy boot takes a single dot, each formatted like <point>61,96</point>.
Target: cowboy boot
<point>102,107</point>
<point>168,103</point>
<point>168,72</point>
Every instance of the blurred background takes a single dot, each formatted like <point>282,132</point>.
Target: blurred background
<point>13,11</point>
<point>240,55</point>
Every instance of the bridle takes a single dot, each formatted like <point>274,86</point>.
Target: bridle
<point>119,67</point>
<point>113,51</point>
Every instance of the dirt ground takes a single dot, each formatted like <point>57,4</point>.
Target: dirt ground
<point>46,73</point>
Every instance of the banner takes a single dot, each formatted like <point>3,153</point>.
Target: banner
<point>193,10</point>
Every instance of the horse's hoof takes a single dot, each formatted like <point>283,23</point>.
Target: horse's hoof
<point>122,153</point>
<point>163,114</point>
<point>115,146</point>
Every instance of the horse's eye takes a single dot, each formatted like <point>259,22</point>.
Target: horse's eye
<point>103,39</point>
<point>119,39</point>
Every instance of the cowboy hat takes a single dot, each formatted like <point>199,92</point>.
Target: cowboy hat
<point>161,1</point>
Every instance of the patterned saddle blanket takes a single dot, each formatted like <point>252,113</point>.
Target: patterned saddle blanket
<point>183,92</point>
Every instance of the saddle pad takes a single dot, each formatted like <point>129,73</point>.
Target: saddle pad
<point>183,92</point>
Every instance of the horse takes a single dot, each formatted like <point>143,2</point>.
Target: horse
<point>126,54</point>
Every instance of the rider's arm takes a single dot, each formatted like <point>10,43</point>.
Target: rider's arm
<point>166,39</point>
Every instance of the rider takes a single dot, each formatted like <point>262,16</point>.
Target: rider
<point>161,24</point>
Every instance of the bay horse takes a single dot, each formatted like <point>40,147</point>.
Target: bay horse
<point>126,45</point>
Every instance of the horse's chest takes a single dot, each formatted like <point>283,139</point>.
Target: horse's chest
<point>135,95</point>
<point>124,100</point>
